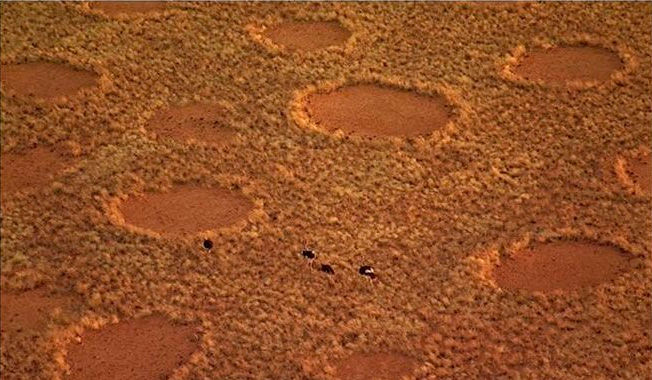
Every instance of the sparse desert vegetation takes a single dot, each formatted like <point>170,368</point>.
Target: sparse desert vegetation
<point>490,161</point>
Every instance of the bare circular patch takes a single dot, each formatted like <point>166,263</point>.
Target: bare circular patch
<point>186,210</point>
<point>308,36</point>
<point>563,265</point>
<point>32,169</point>
<point>560,65</point>
<point>147,348</point>
<point>115,8</point>
<point>375,366</point>
<point>639,170</point>
<point>200,122</point>
<point>27,312</point>
<point>372,110</point>
<point>45,80</point>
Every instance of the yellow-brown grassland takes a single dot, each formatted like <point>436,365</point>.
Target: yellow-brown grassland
<point>165,165</point>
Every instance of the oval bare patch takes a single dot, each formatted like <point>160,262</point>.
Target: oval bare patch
<point>560,65</point>
<point>32,169</point>
<point>375,366</point>
<point>200,122</point>
<point>308,36</point>
<point>639,170</point>
<point>45,80</point>
<point>186,210</point>
<point>147,348</point>
<point>562,265</point>
<point>28,312</point>
<point>372,110</point>
<point>114,8</point>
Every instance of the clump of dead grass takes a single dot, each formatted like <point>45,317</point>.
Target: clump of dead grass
<point>428,204</point>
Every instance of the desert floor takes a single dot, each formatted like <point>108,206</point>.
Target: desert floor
<point>489,161</point>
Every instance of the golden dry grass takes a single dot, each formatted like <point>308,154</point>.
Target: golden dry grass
<point>522,163</point>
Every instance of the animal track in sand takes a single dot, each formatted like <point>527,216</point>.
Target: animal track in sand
<point>45,80</point>
<point>115,8</point>
<point>372,110</point>
<point>28,312</point>
<point>140,349</point>
<point>199,122</point>
<point>561,265</point>
<point>308,36</point>
<point>375,366</point>
<point>31,169</point>
<point>559,65</point>
<point>186,210</point>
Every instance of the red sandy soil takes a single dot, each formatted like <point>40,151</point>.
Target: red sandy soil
<point>640,172</point>
<point>377,366</point>
<point>147,348</point>
<point>501,4</point>
<point>484,178</point>
<point>200,122</point>
<point>308,35</point>
<point>371,110</point>
<point>45,80</point>
<point>31,169</point>
<point>563,64</point>
<point>561,265</point>
<point>114,8</point>
<point>27,312</point>
<point>186,210</point>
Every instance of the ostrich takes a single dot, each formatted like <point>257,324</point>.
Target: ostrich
<point>208,245</point>
<point>309,255</point>
<point>367,271</point>
<point>327,269</point>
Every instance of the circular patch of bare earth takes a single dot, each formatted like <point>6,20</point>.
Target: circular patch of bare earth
<point>559,65</point>
<point>141,349</point>
<point>639,170</point>
<point>186,210</point>
<point>29,170</point>
<point>28,312</point>
<point>375,366</point>
<point>308,36</point>
<point>562,265</point>
<point>200,122</point>
<point>45,80</point>
<point>115,8</point>
<point>371,110</point>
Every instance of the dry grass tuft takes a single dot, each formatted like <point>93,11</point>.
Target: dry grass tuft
<point>520,163</point>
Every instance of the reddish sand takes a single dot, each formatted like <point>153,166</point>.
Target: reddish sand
<point>45,80</point>
<point>201,122</point>
<point>32,169</point>
<point>377,366</point>
<point>563,64</point>
<point>186,210</point>
<point>308,35</point>
<point>114,8</point>
<point>147,348</point>
<point>27,312</point>
<point>561,265</point>
<point>640,172</point>
<point>372,110</point>
<point>501,4</point>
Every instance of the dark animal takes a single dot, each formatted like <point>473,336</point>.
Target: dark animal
<point>327,269</point>
<point>309,255</point>
<point>367,271</point>
<point>208,245</point>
